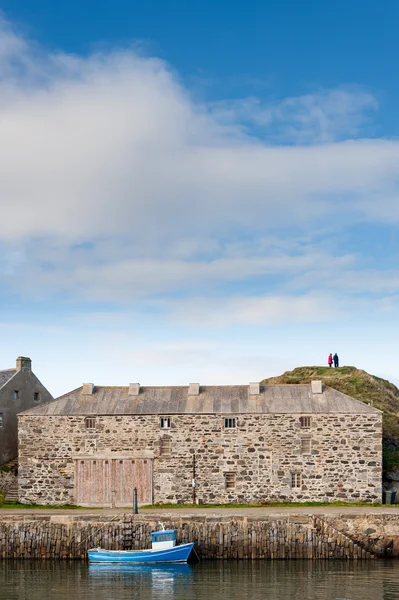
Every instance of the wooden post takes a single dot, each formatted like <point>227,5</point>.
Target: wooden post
<point>193,481</point>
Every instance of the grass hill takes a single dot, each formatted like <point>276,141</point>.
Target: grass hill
<point>365,387</point>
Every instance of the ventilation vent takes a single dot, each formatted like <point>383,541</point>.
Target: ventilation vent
<point>88,389</point>
<point>317,387</point>
<point>193,389</point>
<point>90,422</point>
<point>134,389</point>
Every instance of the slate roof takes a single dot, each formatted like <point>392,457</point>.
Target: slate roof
<point>234,399</point>
<point>6,376</point>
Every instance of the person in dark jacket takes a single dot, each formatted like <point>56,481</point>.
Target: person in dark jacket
<point>336,360</point>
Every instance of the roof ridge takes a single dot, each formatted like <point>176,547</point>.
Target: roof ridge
<point>67,393</point>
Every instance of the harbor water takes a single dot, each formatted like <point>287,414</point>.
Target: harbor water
<point>212,580</point>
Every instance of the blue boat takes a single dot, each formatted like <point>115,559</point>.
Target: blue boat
<point>163,550</point>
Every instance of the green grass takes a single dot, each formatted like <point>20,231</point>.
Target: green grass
<point>260,505</point>
<point>13,504</point>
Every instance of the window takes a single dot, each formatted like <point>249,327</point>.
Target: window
<point>230,479</point>
<point>36,397</point>
<point>296,480</point>
<point>305,422</point>
<point>164,423</point>
<point>306,445</point>
<point>229,423</point>
<point>165,446</point>
<point>16,394</point>
<point>1,420</point>
<point>90,422</point>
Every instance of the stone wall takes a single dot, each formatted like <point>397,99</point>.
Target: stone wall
<point>215,537</point>
<point>262,452</point>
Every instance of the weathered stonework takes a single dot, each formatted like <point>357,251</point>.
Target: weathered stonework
<point>263,452</point>
<point>216,537</point>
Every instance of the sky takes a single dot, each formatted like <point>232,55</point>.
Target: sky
<point>198,192</point>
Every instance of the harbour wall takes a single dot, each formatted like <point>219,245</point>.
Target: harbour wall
<point>216,537</point>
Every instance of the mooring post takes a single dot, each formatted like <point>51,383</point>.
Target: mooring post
<point>135,505</point>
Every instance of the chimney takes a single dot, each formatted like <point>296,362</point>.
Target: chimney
<point>24,363</point>
<point>134,389</point>
<point>254,389</point>
<point>88,389</point>
<point>193,389</point>
<point>317,387</point>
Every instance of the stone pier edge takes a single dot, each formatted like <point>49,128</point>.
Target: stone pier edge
<point>285,536</point>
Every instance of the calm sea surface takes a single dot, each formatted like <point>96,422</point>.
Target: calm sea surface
<point>285,580</point>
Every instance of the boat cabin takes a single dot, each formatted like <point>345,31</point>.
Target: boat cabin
<point>161,540</point>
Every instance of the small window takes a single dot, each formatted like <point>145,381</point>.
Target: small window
<point>164,423</point>
<point>36,397</point>
<point>165,446</point>
<point>16,394</point>
<point>230,479</point>
<point>306,445</point>
<point>305,422</point>
<point>90,422</point>
<point>169,537</point>
<point>1,420</point>
<point>230,423</point>
<point>296,480</point>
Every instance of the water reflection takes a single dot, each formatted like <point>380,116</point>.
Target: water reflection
<point>162,580</point>
<point>257,580</point>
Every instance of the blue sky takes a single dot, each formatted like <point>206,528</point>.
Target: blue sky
<point>198,191</point>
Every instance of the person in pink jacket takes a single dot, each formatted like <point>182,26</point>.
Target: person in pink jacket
<point>330,359</point>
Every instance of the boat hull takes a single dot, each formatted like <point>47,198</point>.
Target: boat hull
<point>170,555</point>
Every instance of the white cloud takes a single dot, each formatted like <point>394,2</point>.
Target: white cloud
<point>96,276</point>
<point>113,144</point>
<point>117,186</point>
<point>269,309</point>
<point>324,116</point>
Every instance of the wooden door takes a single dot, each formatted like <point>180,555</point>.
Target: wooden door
<point>93,482</point>
<point>142,480</point>
<point>101,482</point>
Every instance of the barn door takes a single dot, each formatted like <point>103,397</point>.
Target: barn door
<point>130,474</point>
<point>111,482</point>
<point>93,482</point>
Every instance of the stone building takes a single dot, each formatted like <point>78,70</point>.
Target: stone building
<point>210,444</point>
<point>19,390</point>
